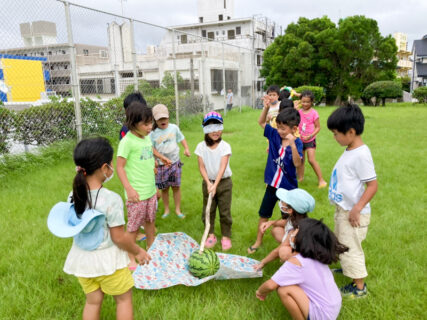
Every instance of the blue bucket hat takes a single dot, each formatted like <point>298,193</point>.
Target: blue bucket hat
<point>300,200</point>
<point>88,231</point>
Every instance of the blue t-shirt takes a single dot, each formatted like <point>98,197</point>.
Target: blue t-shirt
<point>280,171</point>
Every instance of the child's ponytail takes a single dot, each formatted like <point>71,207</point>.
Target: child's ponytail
<point>89,156</point>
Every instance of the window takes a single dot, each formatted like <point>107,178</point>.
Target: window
<point>230,34</point>
<point>184,38</point>
<point>225,4</point>
<point>231,80</point>
<point>103,53</point>
<point>127,75</point>
<point>238,30</point>
<point>211,36</point>
<point>85,52</point>
<point>220,17</point>
<point>49,53</point>
<point>204,33</point>
<point>258,60</point>
<point>217,32</point>
<point>63,51</point>
<point>223,32</point>
<point>201,19</point>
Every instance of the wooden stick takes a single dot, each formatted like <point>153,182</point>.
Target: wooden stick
<point>207,223</point>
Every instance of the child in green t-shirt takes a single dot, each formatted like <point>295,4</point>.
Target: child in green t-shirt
<point>135,168</point>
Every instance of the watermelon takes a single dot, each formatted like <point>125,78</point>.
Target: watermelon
<point>204,264</point>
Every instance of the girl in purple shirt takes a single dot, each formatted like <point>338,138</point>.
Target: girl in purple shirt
<point>305,283</point>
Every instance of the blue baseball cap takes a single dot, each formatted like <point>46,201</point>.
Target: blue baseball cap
<point>212,115</point>
<point>300,200</point>
<point>88,231</point>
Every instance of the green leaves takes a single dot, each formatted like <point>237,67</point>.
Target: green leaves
<point>343,59</point>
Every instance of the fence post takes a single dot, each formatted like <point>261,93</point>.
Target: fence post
<point>132,43</point>
<point>74,80</point>
<point>202,77</point>
<point>224,90</point>
<point>175,77</point>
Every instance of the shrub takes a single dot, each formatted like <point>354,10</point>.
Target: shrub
<point>406,83</point>
<point>318,92</point>
<point>45,124</point>
<point>6,126</point>
<point>420,94</point>
<point>382,90</point>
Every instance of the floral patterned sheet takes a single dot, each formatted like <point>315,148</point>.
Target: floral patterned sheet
<point>170,253</point>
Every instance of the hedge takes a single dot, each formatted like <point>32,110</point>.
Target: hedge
<point>6,119</point>
<point>318,92</point>
<point>382,90</point>
<point>420,94</point>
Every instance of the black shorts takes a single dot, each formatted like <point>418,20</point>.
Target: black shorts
<point>268,202</point>
<point>308,145</point>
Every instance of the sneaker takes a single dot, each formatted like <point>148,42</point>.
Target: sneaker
<point>337,270</point>
<point>210,241</point>
<point>226,244</point>
<point>352,291</point>
<point>357,293</point>
<point>348,289</point>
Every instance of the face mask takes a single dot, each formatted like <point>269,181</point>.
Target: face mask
<point>291,243</point>
<point>110,177</point>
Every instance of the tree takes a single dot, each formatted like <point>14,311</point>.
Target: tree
<point>343,59</point>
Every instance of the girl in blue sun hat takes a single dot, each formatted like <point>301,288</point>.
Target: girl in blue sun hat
<point>214,164</point>
<point>95,219</point>
<point>294,206</point>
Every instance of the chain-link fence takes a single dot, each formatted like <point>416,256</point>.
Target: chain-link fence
<point>65,69</point>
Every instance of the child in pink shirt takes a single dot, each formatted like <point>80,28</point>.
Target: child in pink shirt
<point>309,127</point>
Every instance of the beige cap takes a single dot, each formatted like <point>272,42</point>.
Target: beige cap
<point>160,111</point>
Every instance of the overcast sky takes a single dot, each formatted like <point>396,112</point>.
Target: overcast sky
<point>89,27</point>
<point>407,16</point>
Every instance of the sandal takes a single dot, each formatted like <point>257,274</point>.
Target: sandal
<point>226,244</point>
<point>181,215</point>
<point>165,215</point>
<point>252,250</point>
<point>210,241</point>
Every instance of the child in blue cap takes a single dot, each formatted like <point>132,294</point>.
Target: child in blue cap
<point>294,206</point>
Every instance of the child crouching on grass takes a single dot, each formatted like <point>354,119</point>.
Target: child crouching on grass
<point>305,283</point>
<point>214,164</point>
<point>294,206</point>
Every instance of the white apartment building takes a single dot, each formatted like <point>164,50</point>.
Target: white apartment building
<point>217,48</point>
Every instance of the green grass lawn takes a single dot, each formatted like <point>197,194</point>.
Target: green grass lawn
<point>33,285</point>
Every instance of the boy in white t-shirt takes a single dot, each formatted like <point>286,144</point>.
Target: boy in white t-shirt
<point>353,170</point>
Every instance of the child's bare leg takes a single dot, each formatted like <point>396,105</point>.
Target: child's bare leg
<point>93,305</point>
<point>177,199</point>
<point>124,309</point>
<point>301,168</point>
<point>295,301</point>
<point>165,198</point>
<point>360,283</point>
<point>132,264</point>
<point>150,231</point>
<point>278,233</point>
<point>273,255</point>
<point>311,152</point>
<point>259,236</point>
